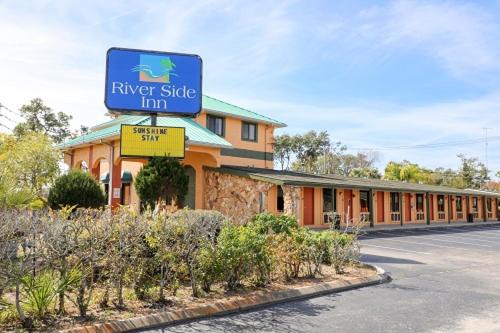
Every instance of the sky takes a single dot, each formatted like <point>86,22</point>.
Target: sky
<point>377,75</point>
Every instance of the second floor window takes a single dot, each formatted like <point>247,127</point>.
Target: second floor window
<point>249,131</point>
<point>216,124</point>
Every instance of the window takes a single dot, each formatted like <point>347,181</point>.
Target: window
<point>458,201</point>
<point>394,202</point>
<point>420,202</point>
<point>216,125</point>
<point>328,200</point>
<point>249,131</point>
<point>440,200</point>
<point>280,201</point>
<point>363,201</point>
<point>474,204</point>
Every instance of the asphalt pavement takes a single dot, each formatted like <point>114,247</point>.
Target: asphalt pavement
<point>444,280</point>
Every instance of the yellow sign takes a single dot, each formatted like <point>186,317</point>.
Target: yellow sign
<point>141,141</point>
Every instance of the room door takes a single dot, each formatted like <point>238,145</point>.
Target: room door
<point>308,206</point>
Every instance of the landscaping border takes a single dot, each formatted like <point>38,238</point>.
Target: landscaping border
<point>223,307</point>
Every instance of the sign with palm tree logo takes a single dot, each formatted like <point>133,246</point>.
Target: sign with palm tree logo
<point>150,82</point>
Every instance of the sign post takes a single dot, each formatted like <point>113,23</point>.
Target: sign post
<point>151,83</point>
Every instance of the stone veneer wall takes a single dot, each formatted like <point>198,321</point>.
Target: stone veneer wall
<point>236,197</point>
<point>291,198</point>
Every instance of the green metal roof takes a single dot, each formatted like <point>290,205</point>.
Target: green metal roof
<point>196,133</point>
<point>304,179</point>
<point>213,105</point>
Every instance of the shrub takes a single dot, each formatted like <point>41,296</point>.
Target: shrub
<point>267,222</point>
<point>242,252</point>
<point>40,291</point>
<point>163,178</point>
<point>76,188</point>
<point>345,250</point>
<point>195,233</point>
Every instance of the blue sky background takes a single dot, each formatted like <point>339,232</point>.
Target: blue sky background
<point>374,74</point>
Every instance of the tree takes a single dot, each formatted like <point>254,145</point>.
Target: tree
<point>28,164</point>
<point>163,178</point>
<point>40,118</point>
<point>76,188</point>
<point>366,172</point>
<point>473,173</point>
<point>283,150</point>
<point>407,171</point>
<point>309,147</point>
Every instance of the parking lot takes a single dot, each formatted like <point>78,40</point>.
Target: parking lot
<point>444,280</point>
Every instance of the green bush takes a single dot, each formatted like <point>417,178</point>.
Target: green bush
<point>163,178</point>
<point>267,222</point>
<point>242,252</point>
<point>76,188</point>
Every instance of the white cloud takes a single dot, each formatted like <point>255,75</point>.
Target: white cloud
<point>462,36</point>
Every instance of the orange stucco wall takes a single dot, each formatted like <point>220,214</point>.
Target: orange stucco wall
<point>408,203</point>
<point>264,143</point>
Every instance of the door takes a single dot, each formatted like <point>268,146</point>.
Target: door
<point>308,206</point>
<point>380,206</point>
<point>348,204</point>
<point>407,207</point>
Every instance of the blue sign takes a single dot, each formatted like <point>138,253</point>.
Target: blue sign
<point>148,82</point>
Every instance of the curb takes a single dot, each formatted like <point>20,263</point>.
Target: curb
<point>429,226</point>
<point>219,308</point>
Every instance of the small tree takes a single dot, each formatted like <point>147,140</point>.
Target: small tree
<point>28,165</point>
<point>163,178</point>
<point>76,188</point>
<point>41,118</point>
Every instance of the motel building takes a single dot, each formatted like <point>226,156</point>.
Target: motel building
<point>229,160</point>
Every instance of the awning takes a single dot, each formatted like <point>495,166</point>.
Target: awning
<point>126,177</point>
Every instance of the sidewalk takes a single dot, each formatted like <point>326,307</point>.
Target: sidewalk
<point>427,226</point>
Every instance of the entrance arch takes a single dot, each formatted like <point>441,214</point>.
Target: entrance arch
<point>190,199</point>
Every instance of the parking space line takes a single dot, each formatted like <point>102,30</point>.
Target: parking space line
<point>470,237</point>
<point>484,234</point>
<point>395,249</point>
<point>426,244</point>
<point>447,240</point>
